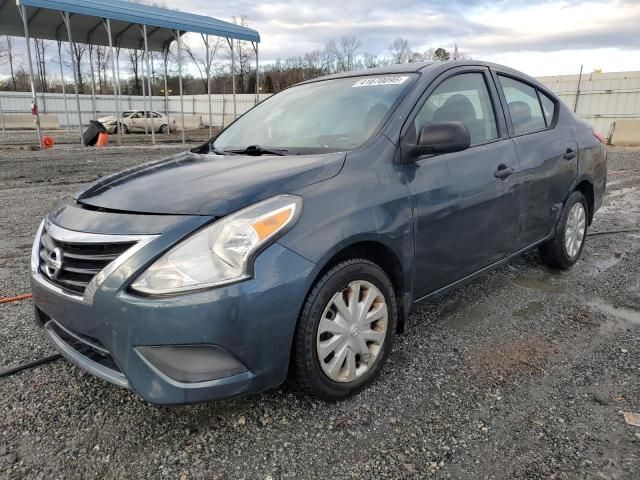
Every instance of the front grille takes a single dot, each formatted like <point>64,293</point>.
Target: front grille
<point>71,266</point>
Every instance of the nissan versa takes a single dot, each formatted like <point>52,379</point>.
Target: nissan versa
<point>297,240</point>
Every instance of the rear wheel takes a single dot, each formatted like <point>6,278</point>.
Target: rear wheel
<point>345,331</point>
<point>571,232</point>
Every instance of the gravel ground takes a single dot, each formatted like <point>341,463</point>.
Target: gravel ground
<point>523,373</point>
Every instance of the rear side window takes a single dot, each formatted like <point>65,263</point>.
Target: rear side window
<point>462,98</point>
<point>548,107</point>
<point>524,106</point>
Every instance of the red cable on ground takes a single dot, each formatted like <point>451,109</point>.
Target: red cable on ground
<point>16,298</point>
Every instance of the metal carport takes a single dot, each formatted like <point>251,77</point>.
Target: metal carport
<point>119,24</point>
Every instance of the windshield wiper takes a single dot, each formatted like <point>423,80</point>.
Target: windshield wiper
<point>258,150</point>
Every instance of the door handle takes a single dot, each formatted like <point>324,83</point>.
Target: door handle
<point>569,154</point>
<point>503,172</point>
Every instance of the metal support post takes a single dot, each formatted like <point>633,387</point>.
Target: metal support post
<point>23,13</point>
<point>146,54</point>
<point>64,90</point>
<point>107,26</point>
<point>177,35</point>
<point>67,21</point>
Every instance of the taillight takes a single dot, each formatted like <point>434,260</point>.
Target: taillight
<point>600,137</point>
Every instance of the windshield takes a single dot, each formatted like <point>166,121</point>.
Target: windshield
<point>337,114</point>
<point>127,114</point>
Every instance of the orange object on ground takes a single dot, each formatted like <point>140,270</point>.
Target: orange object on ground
<point>16,298</point>
<point>103,139</point>
<point>47,142</point>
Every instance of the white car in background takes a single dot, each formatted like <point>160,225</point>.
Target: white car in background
<point>135,120</point>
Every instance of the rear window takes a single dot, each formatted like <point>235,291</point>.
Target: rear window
<point>548,106</point>
<point>524,106</point>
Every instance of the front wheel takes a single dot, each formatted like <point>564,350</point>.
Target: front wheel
<point>164,128</point>
<point>571,232</point>
<point>123,128</point>
<point>345,330</point>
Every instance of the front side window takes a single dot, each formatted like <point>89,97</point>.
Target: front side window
<point>463,98</point>
<point>524,106</point>
<point>329,115</point>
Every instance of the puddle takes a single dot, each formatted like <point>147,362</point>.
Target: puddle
<point>458,318</point>
<point>622,204</point>
<point>542,283</point>
<point>601,265</point>
<point>617,318</point>
<point>531,310</point>
<point>622,191</point>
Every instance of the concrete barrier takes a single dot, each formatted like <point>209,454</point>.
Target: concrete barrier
<point>625,132</point>
<point>26,121</point>
<point>191,122</point>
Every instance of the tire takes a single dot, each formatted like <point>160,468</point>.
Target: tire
<point>124,128</point>
<point>373,337</point>
<point>559,253</point>
<point>164,129</point>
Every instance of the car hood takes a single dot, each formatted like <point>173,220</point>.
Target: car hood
<point>195,184</point>
<point>107,119</point>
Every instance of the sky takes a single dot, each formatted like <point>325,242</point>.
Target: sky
<point>538,37</point>
<point>541,37</point>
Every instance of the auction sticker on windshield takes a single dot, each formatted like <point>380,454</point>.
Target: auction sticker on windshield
<point>378,81</point>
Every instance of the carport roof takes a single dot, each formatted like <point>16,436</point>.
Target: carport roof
<point>87,16</point>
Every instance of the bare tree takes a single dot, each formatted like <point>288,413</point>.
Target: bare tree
<point>343,52</point>
<point>135,56</point>
<point>79,51</point>
<point>205,65</point>
<point>350,46</point>
<point>11,58</point>
<point>41,62</point>
<point>400,51</point>
<point>244,54</point>
<point>429,55</point>
<point>102,62</point>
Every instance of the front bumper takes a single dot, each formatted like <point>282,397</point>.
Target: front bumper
<point>250,323</point>
<point>110,128</point>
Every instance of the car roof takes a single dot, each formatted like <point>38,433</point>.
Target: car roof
<point>428,66</point>
<point>413,68</point>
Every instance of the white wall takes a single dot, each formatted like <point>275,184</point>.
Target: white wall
<point>604,97</point>
<point>53,103</point>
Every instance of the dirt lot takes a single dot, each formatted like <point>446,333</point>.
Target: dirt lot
<point>27,138</point>
<point>523,373</point>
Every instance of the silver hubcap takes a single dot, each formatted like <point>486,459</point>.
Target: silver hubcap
<point>351,331</point>
<point>575,230</point>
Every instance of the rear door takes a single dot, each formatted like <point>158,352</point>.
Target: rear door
<point>547,151</point>
<point>136,122</point>
<point>465,207</point>
<point>157,121</point>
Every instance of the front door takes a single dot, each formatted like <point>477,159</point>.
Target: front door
<point>465,203</point>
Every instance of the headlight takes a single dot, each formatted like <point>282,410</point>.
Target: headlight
<point>223,252</point>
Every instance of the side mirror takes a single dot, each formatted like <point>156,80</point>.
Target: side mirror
<point>443,137</point>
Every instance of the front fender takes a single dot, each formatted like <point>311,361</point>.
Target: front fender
<point>368,201</point>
